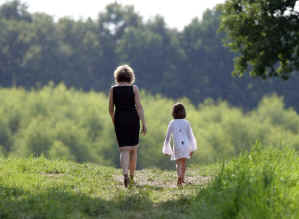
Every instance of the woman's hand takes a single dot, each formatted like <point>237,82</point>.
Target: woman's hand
<point>144,129</point>
<point>112,119</point>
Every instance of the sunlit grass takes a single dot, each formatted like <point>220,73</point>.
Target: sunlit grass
<point>39,188</point>
<point>259,184</point>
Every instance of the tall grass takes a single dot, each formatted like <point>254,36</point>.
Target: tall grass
<point>58,122</point>
<point>259,184</point>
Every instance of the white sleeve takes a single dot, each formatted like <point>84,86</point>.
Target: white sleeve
<point>192,140</point>
<point>166,146</point>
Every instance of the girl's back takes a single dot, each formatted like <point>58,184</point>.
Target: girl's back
<point>180,129</point>
<point>183,139</point>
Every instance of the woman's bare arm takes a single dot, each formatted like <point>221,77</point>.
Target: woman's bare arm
<point>111,104</point>
<point>139,109</point>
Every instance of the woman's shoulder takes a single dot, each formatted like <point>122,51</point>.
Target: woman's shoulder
<point>113,86</point>
<point>135,87</point>
<point>111,89</point>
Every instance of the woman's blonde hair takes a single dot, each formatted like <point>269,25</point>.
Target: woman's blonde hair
<point>124,73</point>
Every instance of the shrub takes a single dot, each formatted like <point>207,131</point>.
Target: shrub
<point>60,151</point>
<point>32,122</point>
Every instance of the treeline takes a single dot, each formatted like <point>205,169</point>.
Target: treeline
<point>35,49</point>
<point>61,123</point>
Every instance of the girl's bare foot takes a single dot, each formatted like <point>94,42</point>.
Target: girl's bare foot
<point>179,183</point>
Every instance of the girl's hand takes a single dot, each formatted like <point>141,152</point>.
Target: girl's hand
<point>144,129</point>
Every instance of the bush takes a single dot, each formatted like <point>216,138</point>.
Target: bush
<point>40,121</point>
<point>60,151</point>
<point>36,139</point>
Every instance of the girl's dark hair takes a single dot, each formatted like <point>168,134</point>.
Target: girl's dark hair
<point>178,111</point>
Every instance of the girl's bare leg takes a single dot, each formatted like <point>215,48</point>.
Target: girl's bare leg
<point>178,167</point>
<point>179,171</point>
<point>133,160</point>
<point>184,165</point>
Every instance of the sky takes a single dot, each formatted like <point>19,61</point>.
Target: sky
<point>177,14</point>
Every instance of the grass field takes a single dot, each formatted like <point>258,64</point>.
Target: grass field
<point>39,188</point>
<point>261,184</point>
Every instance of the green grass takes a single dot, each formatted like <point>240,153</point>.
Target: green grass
<point>39,188</point>
<point>259,184</point>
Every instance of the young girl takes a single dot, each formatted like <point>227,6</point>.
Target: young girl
<point>184,142</point>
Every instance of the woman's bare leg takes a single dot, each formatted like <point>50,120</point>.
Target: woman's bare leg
<point>133,160</point>
<point>124,163</point>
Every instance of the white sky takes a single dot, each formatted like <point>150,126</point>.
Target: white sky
<point>176,13</point>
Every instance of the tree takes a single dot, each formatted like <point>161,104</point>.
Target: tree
<point>15,10</point>
<point>265,35</point>
<point>15,35</point>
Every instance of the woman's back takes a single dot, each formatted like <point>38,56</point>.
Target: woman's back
<point>126,118</point>
<point>124,98</point>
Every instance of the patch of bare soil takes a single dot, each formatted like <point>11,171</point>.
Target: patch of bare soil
<point>53,174</point>
<point>164,179</point>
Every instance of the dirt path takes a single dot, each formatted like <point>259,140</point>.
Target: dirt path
<point>164,179</point>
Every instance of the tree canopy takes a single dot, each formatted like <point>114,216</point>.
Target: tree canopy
<point>264,34</point>
<point>36,49</point>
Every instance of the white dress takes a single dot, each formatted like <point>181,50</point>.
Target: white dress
<point>184,141</point>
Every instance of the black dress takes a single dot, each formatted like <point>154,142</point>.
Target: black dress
<point>126,120</point>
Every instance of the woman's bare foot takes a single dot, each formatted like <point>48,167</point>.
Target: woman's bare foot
<point>132,182</point>
<point>126,180</point>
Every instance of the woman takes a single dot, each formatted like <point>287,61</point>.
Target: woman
<point>126,112</point>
